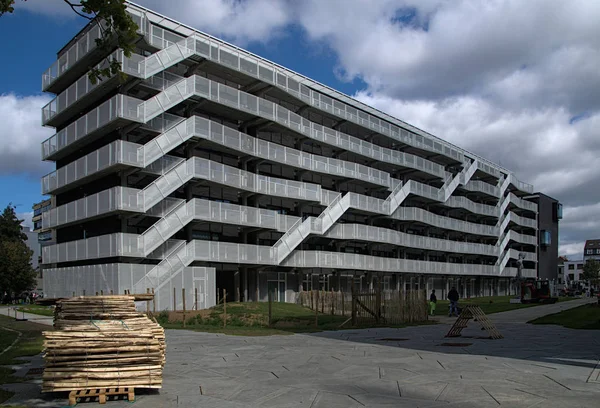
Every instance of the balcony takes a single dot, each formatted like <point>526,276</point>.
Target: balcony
<point>77,96</point>
<point>74,62</point>
<point>94,124</point>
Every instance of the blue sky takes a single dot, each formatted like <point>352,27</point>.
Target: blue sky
<point>513,81</point>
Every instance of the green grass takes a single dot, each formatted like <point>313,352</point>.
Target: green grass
<point>251,319</point>
<point>489,304</point>
<point>29,344</point>
<point>37,309</point>
<point>586,317</point>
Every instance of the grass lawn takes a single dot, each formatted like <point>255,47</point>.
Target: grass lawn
<point>251,319</point>
<point>585,317</point>
<point>37,309</point>
<point>29,344</point>
<point>489,304</point>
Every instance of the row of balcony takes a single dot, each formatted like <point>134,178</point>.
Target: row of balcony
<point>244,62</point>
<point>211,251</point>
<point>129,199</point>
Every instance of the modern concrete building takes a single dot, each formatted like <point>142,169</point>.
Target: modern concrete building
<point>210,167</point>
<point>549,214</point>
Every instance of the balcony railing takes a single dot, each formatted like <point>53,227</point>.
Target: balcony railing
<point>89,123</point>
<point>77,91</point>
<point>77,51</point>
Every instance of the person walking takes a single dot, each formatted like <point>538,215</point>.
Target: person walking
<point>453,298</point>
<point>432,302</point>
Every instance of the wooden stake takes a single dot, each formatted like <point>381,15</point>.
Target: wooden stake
<point>353,294</point>
<point>174,299</point>
<point>183,299</point>
<point>195,298</point>
<point>224,308</point>
<point>317,310</point>
<point>270,300</point>
<point>153,302</point>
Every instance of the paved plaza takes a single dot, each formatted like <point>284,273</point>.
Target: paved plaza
<point>541,366</point>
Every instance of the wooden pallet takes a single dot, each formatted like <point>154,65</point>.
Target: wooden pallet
<point>101,393</point>
<point>473,312</point>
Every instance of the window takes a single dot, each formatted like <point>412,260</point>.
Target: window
<point>579,266</point>
<point>571,277</point>
<point>545,238</point>
<point>598,251</point>
<point>559,211</point>
<point>571,267</point>
<point>589,252</point>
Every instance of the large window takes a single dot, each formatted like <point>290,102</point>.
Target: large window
<point>545,238</point>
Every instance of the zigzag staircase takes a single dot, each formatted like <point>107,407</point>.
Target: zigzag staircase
<point>301,229</point>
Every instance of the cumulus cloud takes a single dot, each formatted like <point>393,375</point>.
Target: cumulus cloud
<point>21,135</point>
<point>239,21</point>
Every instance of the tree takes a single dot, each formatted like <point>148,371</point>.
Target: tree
<point>591,272</point>
<point>10,225</point>
<point>117,28</point>
<point>16,273</point>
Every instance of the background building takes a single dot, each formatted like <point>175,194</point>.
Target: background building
<point>591,250</point>
<point>211,167</point>
<point>574,270</point>
<point>45,236</point>
<point>549,214</point>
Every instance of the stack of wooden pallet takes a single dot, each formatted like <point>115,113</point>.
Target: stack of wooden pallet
<point>102,342</point>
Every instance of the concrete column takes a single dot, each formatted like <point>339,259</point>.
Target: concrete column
<point>447,284</point>
<point>236,285</point>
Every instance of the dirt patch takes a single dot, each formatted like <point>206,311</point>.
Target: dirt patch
<point>178,315</point>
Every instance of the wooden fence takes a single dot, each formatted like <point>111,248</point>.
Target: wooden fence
<point>375,306</point>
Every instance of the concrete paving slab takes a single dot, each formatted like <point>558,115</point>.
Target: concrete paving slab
<point>532,366</point>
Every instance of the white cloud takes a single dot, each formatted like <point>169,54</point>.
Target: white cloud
<point>26,217</point>
<point>573,251</point>
<point>239,21</point>
<point>21,135</point>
